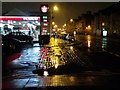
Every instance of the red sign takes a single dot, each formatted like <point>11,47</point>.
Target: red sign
<point>44,9</point>
<point>17,18</point>
<point>24,28</point>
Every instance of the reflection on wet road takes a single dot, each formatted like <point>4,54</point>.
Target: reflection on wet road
<point>69,64</point>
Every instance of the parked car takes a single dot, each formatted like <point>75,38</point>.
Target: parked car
<point>10,45</point>
<point>70,37</point>
<point>21,36</point>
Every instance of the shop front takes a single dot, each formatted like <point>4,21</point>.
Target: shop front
<point>29,25</point>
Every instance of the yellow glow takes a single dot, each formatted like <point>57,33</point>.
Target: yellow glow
<point>53,23</point>
<point>103,24</point>
<point>55,26</point>
<point>55,8</point>
<point>71,20</point>
<point>89,43</point>
<point>55,40</point>
<point>56,66</point>
<point>64,25</point>
<point>54,61</point>
<point>59,29</point>
<point>71,47</point>
<point>89,26</point>
<point>72,79</point>
<point>89,37</point>
<point>53,29</point>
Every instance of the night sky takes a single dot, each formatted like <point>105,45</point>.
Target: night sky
<point>66,9</point>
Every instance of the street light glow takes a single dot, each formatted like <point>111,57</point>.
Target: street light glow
<point>53,23</point>
<point>64,25</point>
<point>103,24</point>
<point>55,26</point>
<point>55,8</point>
<point>71,20</point>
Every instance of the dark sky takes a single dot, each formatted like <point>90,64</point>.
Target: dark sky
<point>66,9</point>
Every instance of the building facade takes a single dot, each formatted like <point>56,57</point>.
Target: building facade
<point>105,22</point>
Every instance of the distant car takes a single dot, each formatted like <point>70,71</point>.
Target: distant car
<point>21,36</point>
<point>10,45</point>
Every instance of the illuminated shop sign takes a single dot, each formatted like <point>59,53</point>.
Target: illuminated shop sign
<point>30,18</point>
<point>15,18</point>
<point>24,28</point>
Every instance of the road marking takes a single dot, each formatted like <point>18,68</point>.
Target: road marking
<point>117,55</point>
<point>113,53</point>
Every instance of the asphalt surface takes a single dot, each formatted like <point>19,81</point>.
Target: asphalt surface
<point>70,65</point>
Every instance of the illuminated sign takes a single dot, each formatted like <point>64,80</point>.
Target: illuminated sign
<point>45,24</point>
<point>45,31</point>
<point>30,18</point>
<point>24,28</point>
<point>18,18</point>
<point>104,33</point>
<point>44,17</point>
<point>44,20</point>
<point>44,9</point>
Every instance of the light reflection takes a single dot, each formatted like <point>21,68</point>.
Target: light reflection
<point>89,43</point>
<point>54,55</point>
<point>45,73</point>
<point>72,79</point>
<point>56,66</point>
<point>36,50</point>
<point>104,43</point>
<point>89,37</point>
<point>15,61</point>
<point>71,47</point>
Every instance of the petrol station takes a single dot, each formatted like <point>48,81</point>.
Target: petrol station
<point>36,26</point>
<point>26,24</point>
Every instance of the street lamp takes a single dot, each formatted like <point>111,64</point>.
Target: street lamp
<point>71,20</point>
<point>64,25</point>
<point>103,24</point>
<point>55,8</point>
<point>53,23</point>
<point>55,26</point>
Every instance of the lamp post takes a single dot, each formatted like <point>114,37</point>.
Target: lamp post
<point>64,27</point>
<point>55,8</point>
<point>71,25</point>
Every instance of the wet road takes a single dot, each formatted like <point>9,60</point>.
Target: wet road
<point>71,63</point>
<point>96,43</point>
